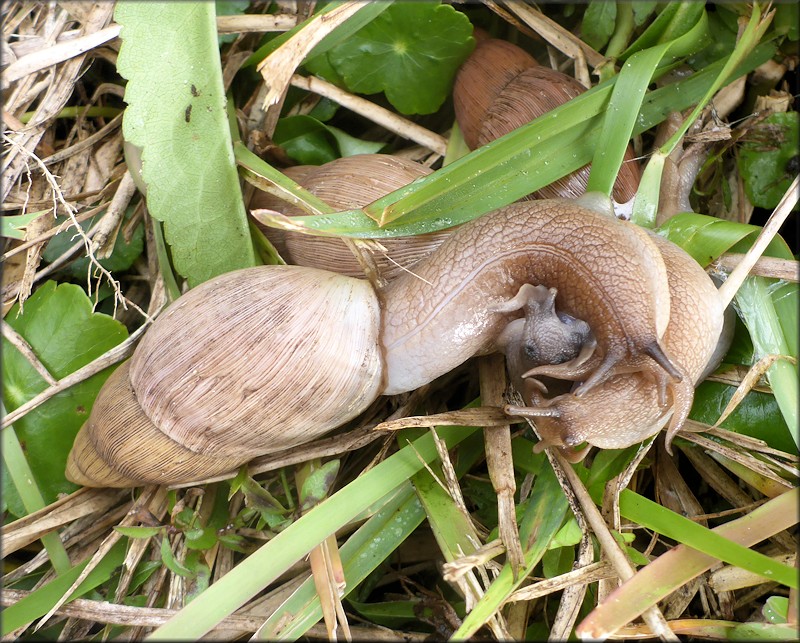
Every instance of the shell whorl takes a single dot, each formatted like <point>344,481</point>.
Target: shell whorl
<point>226,373</point>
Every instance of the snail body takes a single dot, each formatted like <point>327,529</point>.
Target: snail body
<point>266,358</point>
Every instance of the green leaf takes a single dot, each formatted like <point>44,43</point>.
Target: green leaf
<point>122,257</point>
<point>598,23</point>
<point>776,609</point>
<point>13,227</point>
<point>764,160</point>
<point>169,560</point>
<point>177,114</point>
<point>138,531</point>
<point>311,142</point>
<point>350,145</point>
<point>411,52</point>
<point>64,333</point>
<point>642,10</point>
<point>306,140</point>
<point>318,484</point>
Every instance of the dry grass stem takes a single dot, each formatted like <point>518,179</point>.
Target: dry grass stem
<point>51,55</point>
<point>754,374</point>
<point>109,358</point>
<point>480,416</point>
<point>18,342</point>
<point>375,113</point>
<point>728,289</point>
<point>785,269</point>
<point>256,23</point>
<point>616,557</point>
<point>278,67</point>
<point>81,503</point>
<point>582,576</point>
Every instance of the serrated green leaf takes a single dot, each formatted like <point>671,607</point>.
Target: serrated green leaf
<point>64,333</point>
<point>765,158</point>
<point>411,51</point>
<point>177,114</point>
<point>598,23</point>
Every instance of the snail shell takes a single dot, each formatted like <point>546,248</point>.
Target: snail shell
<point>500,87</point>
<point>262,359</point>
<point>348,183</point>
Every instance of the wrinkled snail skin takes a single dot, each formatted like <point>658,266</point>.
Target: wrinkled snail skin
<point>628,408</point>
<point>262,359</point>
<point>602,271</point>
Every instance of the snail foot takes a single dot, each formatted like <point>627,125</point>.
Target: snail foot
<point>682,393</point>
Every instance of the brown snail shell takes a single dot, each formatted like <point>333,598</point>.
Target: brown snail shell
<point>500,88</point>
<point>348,183</point>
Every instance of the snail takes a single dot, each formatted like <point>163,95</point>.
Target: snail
<point>344,184</point>
<point>265,358</point>
<point>500,87</point>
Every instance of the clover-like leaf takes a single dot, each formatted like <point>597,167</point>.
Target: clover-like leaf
<point>64,333</point>
<point>411,51</point>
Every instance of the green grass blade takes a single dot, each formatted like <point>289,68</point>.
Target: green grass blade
<point>620,117</point>
<point>653,516</point>
<point>262,567</point>
<point>40,601</point>
<point>367,548</point>
<point>516,164</point>
<point>21,475</point>
<point>679,565</point>
<point>543,519</point>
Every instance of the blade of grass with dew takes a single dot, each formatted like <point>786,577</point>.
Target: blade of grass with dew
<point>626,102</point>
<point>464,190</point>
<point>653,516</point>
<point>361,554</point>
<point>541,522</point>
<point>252,575</point>
<point>682,563</point>
<point>645,205</point>
<point>40,601</point>
<point>675,19</point>
<point>21,475</point>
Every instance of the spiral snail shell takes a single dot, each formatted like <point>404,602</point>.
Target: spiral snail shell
<point>262,359</point>
<point>500,87</point>
<point>344,184</point>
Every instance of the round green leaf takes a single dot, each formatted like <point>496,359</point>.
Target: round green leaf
<point>64,333</point>
<point>411,52</point>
